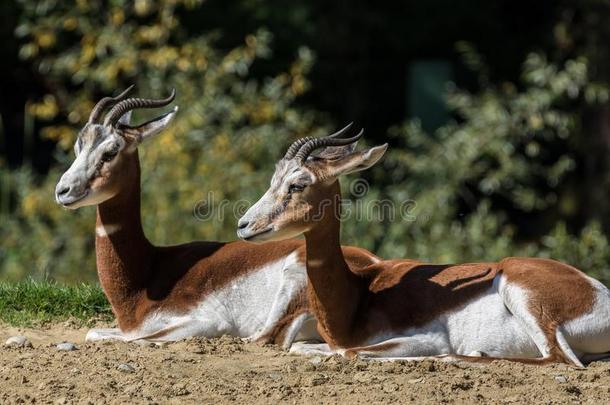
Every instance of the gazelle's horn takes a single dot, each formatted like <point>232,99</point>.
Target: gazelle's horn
<point>318,143</point>
<point>132,103</point>
<point>296,145</point>
<point>341,131</point>
<point>105,102</point>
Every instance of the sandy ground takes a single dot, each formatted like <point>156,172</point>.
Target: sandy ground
<point>226,370</point>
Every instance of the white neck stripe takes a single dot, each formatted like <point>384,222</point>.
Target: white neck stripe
<point>107,230</point>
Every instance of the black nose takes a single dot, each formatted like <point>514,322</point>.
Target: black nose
<point>242,224</point>
<point>63,191</point>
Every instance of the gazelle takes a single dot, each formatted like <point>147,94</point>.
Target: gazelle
<point>169,293</point>
<point>524,309</point>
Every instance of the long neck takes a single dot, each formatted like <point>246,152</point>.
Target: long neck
<point>122,250</point>
<point>334,291</point>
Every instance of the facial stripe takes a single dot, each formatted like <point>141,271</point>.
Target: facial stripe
<point>92,142</point>
<point>279,209</point>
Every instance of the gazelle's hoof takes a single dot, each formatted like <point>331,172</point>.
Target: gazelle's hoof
<point>478,353</point>
<point>96,335</point>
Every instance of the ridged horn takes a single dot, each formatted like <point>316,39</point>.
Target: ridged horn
<point>296,145</point>
<point>132,103</point>
<point>318,143</point>
<point>101,105</point>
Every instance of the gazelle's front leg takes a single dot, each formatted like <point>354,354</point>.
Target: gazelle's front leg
<point>311,349</point>
<point>411,347</point>
<point>383,351</point>
<point>94,335</point>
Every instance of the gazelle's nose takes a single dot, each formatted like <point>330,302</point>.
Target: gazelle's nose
<point>67,190</point>
<point>62,190</point>
<point>242,224</point>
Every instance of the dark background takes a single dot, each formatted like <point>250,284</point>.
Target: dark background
<point>363,49</point>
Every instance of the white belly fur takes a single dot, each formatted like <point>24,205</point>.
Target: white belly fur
<point>481,325</point>
<point>241,308</point>
<point>486,325</point>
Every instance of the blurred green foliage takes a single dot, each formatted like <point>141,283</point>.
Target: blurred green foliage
<point>499,156</point>
<point>228,132</point>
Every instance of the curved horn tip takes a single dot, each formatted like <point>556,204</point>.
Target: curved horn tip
<point>125,92</point>
<point>341,131</point>
<point>348,126</point>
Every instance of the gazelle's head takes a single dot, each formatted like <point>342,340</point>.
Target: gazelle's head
<point>103,150</point>
<point>302,186</point>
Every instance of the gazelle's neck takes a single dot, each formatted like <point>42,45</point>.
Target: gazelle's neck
<point>334,291</point>
<point>122,251</point>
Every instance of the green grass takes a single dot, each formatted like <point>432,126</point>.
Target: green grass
<point>29,303</point>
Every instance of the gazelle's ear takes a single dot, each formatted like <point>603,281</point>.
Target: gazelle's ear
<point>125,119</point>
<point>356,161</point>
<point>150,128</point>
<point>336,152</point>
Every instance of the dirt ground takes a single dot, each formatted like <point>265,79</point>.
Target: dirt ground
<point>227,370</point>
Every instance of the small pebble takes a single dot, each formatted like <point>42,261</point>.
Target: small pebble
<point>126,368</point>
<point>561,379</point>
<point>145,343</point>
<point>317,380</point>
<point>66,346</point>
<point>316,360</point>
<point>275,376</point>
<point>390,387</point>
<point>363,377</point>
<point>18,341</point>
<point>180,389</point>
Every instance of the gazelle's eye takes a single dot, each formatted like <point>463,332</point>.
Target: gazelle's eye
<point>108,156</point>
<point>295,188</point>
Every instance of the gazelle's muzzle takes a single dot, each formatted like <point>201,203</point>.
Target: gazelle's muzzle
<point>252,230</point>
<point>246,232</point>
<point>70,189</point>
<point>253,226</point>
<point>256,236</point>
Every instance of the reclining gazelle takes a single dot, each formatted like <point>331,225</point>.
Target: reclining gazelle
<point>199,288</point>
<point>523,309</point>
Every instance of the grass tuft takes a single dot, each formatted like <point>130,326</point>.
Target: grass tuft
<point>29,303</point>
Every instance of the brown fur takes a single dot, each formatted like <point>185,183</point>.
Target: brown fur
<point>561,292</point>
